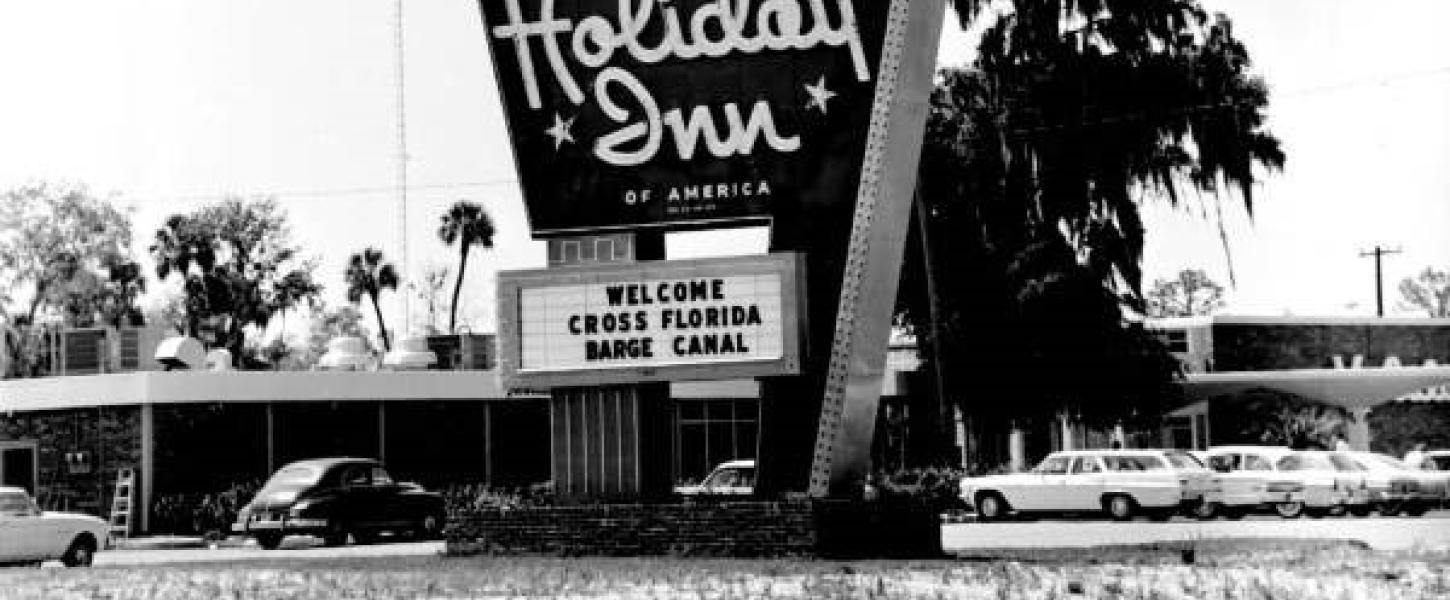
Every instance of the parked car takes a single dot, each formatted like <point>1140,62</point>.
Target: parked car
<point>1251,480</point>
<point>730,478</point>
<point>337,497</point>
<point>1120,483</point>
<point>1396,488</point>
<point>29,535</point>
<point>1326,489</point>
<point>1434,460</point>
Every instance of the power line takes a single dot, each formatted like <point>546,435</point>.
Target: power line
<point>328,192</point>
<point>1197,108</point>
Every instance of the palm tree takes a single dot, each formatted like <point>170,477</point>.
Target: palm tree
<point>368,274</point>
<point>468,224</point>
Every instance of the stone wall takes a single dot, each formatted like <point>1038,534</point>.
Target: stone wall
<point>108,439</point>
<point>738,529</point>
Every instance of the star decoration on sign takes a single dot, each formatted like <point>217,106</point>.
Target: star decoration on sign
<point>819,95</point>
<point>560,131</point>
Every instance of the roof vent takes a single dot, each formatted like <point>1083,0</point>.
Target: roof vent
<point>346,353</point>
<point>181,353</point>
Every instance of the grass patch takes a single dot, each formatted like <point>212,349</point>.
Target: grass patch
<point>1281,569</point>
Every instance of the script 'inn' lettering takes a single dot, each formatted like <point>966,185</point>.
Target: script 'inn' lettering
<point>715,29</point>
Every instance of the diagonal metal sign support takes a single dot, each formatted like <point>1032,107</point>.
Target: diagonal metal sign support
<point>842,453</point>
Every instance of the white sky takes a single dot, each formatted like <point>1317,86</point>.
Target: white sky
<point>167,104</point>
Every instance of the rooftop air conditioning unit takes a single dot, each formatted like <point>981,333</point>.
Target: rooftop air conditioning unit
<point>411,354</point>
<point>464,352</point>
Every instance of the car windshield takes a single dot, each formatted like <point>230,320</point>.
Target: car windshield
<point>1132,462</point>
<point>295,475</point>
<point>1183,460</point>
<point>1344,463</point>
<point>731,478</point>
<point>1441,463</point>
<point>15,503</point>
<point>1383,461</point>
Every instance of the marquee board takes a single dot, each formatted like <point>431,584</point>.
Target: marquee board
<point>678,114</point>
<point>651,321</point>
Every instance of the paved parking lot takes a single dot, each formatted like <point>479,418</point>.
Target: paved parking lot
<point>1382,533</point>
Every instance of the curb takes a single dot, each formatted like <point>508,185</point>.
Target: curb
<point>176,543</point>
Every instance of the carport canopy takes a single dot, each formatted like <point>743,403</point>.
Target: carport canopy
<point>1353,389</point>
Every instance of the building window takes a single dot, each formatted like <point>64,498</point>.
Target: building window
<point>709,432</point>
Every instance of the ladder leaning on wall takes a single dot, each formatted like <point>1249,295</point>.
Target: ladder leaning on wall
<point>121,504</point>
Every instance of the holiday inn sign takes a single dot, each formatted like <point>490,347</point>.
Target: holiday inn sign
<point>636,114</point>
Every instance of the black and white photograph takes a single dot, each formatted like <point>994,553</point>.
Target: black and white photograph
<point>615,299</point>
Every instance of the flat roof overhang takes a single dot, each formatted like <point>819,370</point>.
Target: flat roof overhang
<point>1350,388</point>
<point>183,387</point>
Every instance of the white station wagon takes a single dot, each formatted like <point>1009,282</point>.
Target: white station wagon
<point>1121,483</point>
<point>29,535</point>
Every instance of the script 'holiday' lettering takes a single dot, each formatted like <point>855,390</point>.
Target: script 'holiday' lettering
<point>715,29</point>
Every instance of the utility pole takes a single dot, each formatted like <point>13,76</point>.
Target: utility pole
<point>1379,281</point>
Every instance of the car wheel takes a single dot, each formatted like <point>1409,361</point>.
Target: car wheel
<point>336,534</point>
<point>81,553</point>
<point>431,528</point>
<point>1289,510</point>
<point>1204,511</point>
<point>1119,507</point>
<point>269,541</point>
<point>991,507</point>
<point>1391,509</point>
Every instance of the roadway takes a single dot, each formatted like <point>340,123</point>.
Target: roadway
<point>1382,533</point>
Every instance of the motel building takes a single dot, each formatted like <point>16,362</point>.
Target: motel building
<point>1385,372</point>
<point>106,403</point>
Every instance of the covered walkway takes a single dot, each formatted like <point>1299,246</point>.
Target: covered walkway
<point>1357,390</point>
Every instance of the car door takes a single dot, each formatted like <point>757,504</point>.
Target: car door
<point>10,538</point>
<point>1040,489</point>
<point>390,507</point>
<point>1083,486</point>
<point>356,497</point>
<point>1239,483</point>
<point>22,531</point>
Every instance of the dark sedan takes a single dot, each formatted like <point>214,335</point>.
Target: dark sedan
<point>334,497</point>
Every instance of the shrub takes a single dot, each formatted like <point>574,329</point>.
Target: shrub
<point>939,487</point>
<point>461,497</point>
<point>198,513</point>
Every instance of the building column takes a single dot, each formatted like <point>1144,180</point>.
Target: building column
<point>148,464</point>
<point>271,439</point>
<point>1065,423</point>
<point>382,432</point>
<point>1359,436</point>
<point>1017,448</point>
